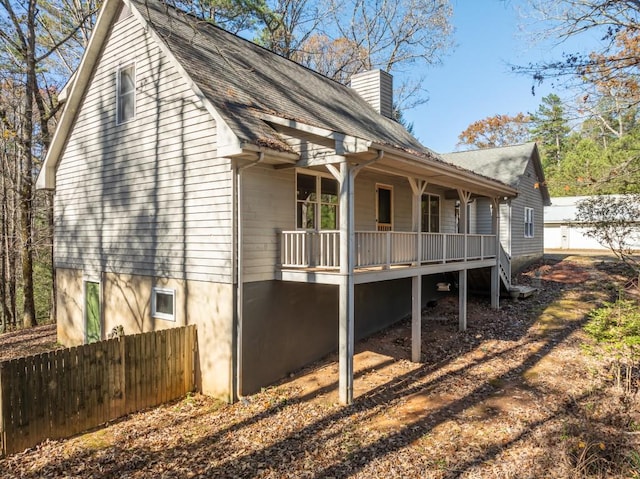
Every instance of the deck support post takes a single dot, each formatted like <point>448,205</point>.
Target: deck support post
<point>347,288</point>
<point>417,188</point>
<point>416,318</point>
<point>495,270</point>
<point>464,196</point>
<point>462,300</point>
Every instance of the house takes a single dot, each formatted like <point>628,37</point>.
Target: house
<point>563,231</point>
<point>521,217</point>
<point>201,179</point>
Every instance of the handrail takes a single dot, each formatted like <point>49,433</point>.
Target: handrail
<point>505,266</point>
<point>385,249</point>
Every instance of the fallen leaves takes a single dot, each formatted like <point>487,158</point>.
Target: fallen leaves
<point>510,397</point>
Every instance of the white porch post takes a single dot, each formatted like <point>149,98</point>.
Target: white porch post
<point>346,305</point>
<point>462,274</point>
<point>495,270</point>
<point>417,187</point>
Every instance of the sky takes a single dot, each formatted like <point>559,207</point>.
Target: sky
<point>476,81</point>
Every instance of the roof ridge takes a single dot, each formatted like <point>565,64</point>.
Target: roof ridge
<point>209,24</point>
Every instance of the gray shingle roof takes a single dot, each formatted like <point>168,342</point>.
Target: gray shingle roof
<point>244,81</point>
<point>506,164</point>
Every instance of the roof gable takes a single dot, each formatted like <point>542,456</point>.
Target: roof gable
<point>507,164</point>
<point>252,92</point>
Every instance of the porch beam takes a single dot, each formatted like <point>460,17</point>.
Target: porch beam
<point>346,288</point>
<point>344,144</point>
<point>309,161</point>
<point>495,270</point>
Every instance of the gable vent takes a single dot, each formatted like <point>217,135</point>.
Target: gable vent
<point>376,87</point>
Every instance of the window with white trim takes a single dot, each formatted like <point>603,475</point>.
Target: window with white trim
<point>316,201</point>
<point>528,222</point>
<point>163,303</point>
<point>126,93</point>
<point>430,213</point>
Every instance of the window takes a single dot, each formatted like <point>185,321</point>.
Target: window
<point>430,214</point>
<point>126,98</point>
<point>528,222</point>
<point>316,202</point>
<point>163,304</point>
<point>384,207</point>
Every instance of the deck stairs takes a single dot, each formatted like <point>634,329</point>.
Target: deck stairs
<point>480,279</point>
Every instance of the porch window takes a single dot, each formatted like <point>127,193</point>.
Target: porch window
<point>384,207</point>
<point>430,214</point>
<point>126,94</point>
<point>528,222</point>
<point>163,304</point>
<point>316,202</point>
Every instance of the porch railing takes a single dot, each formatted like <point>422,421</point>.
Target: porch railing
<point>321,249</point>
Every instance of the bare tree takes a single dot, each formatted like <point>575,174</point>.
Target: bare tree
<point>32,32</point>
<point>613,222</point>
<point>616,23</point>
<point>339,38</point>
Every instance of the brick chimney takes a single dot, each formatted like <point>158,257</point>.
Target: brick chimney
<point>376,87</point>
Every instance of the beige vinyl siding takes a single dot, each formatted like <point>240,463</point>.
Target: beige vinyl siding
<point>268,207</point>
<point>308,146</point>
<point>365,201</point>
<point>447,216</point>
<point>149,196</point>
<point>528,196</point>
<point>484,223</point>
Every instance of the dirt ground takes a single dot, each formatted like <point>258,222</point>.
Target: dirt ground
<point>518,395</point>
<point>40,339</point>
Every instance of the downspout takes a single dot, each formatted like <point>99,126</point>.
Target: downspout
<point>239,269</point>
<point>359,167</point>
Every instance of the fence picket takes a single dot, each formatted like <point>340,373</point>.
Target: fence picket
<point>64,392</point>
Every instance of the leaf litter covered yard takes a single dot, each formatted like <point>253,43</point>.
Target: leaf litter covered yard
<point>515,396</point>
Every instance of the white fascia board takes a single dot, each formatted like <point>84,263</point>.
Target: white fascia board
<point>445,169</point>
<point>47,177</point>
<point>344,144</point>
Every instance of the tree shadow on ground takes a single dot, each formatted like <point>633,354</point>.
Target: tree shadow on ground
<point>327,440</point>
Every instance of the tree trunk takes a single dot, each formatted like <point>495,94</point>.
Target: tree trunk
<point>26,188</point>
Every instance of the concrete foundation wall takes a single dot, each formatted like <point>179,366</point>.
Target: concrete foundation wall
<point>521,262</point>
<point>126,302</point>
<point>70,310</point>
<point>288,325</point>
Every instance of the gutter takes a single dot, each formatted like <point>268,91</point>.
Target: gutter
<point>238,233</point>
<point>447,168</point>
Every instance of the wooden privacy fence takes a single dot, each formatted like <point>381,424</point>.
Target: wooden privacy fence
<point>64,392</point>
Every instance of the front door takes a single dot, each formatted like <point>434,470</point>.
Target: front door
<point>92,311</point>
<point>384,207</point>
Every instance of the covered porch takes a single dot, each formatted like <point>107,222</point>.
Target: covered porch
<point>345,257</point>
